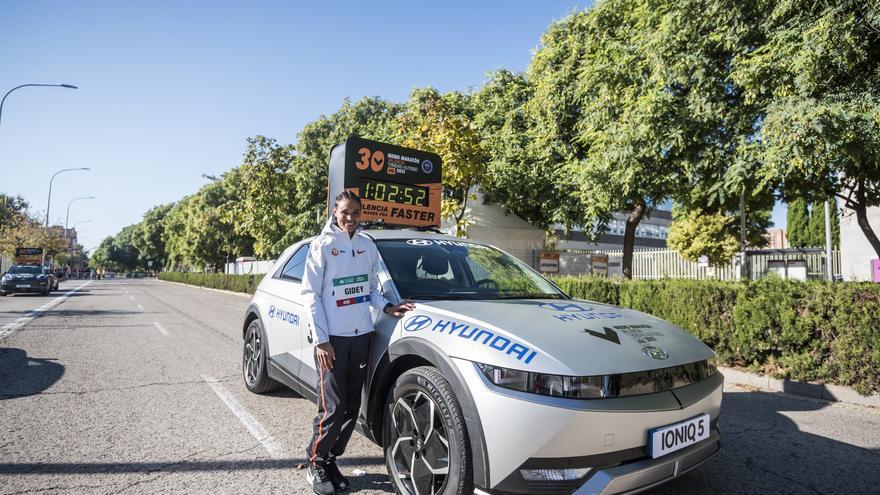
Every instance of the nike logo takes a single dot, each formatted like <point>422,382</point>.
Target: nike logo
<point>363,366</point>
<point>360,251</point>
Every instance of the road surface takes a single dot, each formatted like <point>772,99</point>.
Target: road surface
<point>134,386</point>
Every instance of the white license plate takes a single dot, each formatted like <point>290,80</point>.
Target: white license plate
<point>668,439</point>
<point>22,286</point>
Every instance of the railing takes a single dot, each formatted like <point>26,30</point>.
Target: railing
<point>806,264</point>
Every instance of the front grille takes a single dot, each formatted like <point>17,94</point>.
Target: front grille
<point>553,487</point>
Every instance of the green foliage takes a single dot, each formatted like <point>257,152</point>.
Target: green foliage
<point>809,331</point>
<point>443,124</point>
<point>197,232</point>
<point>236,283</point>
<point>798,224</point>
<point>815,74</point>
<point>148,240</point>
<point>704,234</point>
<point>520,176</point>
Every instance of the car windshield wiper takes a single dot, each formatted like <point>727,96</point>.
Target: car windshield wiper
<point>529,296</point>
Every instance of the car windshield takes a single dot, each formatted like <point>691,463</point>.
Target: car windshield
<point>448,269</point>
<point>22,270</point>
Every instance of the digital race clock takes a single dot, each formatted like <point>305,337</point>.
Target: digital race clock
<point>397,185</point>
<point>394,193</point>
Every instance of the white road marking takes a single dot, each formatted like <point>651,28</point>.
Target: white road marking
<point>160,327</point>
<point>131,297</point>
<point>234,307</point>
<point>140,307</point>
<point>272,446</point>
<point>20,322</point>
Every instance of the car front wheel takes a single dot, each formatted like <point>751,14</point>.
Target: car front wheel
<point>253,364</point>
<point>425,436</point>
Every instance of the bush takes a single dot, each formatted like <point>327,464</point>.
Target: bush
<point>808,331</point>
<point>235,283</point>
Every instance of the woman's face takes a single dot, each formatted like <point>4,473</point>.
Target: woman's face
<point>348,214</point>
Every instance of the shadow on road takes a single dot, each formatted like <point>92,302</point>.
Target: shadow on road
<point>764,451</point>
<point>21,376</point>
<point>167,466</point>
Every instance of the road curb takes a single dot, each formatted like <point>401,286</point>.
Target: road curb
<point>241,294</point>
<point>833,393</point>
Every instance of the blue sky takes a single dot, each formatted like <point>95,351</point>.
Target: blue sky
<point>170,90</point>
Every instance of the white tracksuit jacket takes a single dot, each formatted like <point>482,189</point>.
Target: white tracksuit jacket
<point>340,279</point>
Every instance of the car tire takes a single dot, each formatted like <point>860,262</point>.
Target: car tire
<point>253,362</point>
<point>423,424</point>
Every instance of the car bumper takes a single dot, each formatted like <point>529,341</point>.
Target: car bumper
<point>12,288</point>
<point>609,436</point>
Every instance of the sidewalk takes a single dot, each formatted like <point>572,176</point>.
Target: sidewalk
<point>833,393</point>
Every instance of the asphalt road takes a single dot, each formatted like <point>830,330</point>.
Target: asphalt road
<point>122,386</point>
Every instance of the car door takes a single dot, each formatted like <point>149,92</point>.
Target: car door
<point>285,318</point>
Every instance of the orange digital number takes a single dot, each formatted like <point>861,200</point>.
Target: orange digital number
<point>365,159</point>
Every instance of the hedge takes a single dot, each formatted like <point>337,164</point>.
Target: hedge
<point>807,331</point>
<point>235,283</point>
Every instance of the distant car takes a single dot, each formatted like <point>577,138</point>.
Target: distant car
<point>498,381</point>
<point>28,278</point>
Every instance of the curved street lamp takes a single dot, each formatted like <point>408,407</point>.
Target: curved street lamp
<point>68,86</point>
<point>67,218</point>
<point>49,201</point>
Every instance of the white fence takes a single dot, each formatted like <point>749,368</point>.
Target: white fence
<point>664,263</point>
<point>249,267</point>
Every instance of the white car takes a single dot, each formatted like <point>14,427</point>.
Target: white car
<point>499,382</point>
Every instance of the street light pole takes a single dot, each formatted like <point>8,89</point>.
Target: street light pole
<point>68,86</point>
<point>49,201</point>
<point>67,218</point>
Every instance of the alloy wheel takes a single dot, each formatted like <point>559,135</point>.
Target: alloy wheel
<point>253,357</point>
<point>420,446</point>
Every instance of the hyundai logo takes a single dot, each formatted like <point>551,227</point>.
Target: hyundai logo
<point>272,311</point>
<point>416,323</point>
<point>419,242</point>
<point>654,352</point>
<point>567,307</point>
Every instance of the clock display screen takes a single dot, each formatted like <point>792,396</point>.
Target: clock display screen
<point>394,193</point>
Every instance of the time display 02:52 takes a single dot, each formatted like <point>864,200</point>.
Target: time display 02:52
<point>394,193</point>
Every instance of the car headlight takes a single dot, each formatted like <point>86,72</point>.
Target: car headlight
<point>573,387</point>
<point>600,386</point>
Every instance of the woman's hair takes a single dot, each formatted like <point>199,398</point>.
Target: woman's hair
<point>349,195</point>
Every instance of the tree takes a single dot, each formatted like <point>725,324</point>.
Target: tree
<point>520,177</point>
<point>149,240</point>
<point>697,233</point>
<point>441,124</point>
<point>817,224</point>
<point>798,218</point>
<point>623,125</point>
<point>815,76</point>
<point>268,193</point>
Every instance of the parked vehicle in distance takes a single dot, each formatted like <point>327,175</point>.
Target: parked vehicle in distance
<point>28,278</point>
<point>498,381</point>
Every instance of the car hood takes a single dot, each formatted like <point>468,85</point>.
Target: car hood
<point>565,337</point>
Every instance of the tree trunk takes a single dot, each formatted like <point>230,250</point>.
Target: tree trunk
<point>862,217</point>
<point>629,236</point>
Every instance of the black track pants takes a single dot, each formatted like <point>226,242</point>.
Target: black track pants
<point>339,397</point>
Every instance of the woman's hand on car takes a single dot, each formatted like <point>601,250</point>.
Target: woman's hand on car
<point>402,308</point>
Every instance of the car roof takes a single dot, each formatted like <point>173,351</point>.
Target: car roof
<point>390,234</point>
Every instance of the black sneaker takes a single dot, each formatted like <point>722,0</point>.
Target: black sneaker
<point>319,478</point>
<point>340,482</point>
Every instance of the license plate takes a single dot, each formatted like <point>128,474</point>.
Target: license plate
<point>22,286</point>
<point>668,439</point>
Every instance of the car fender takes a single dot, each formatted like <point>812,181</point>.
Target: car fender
<point>254,309</point>
<point>421,348</point>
